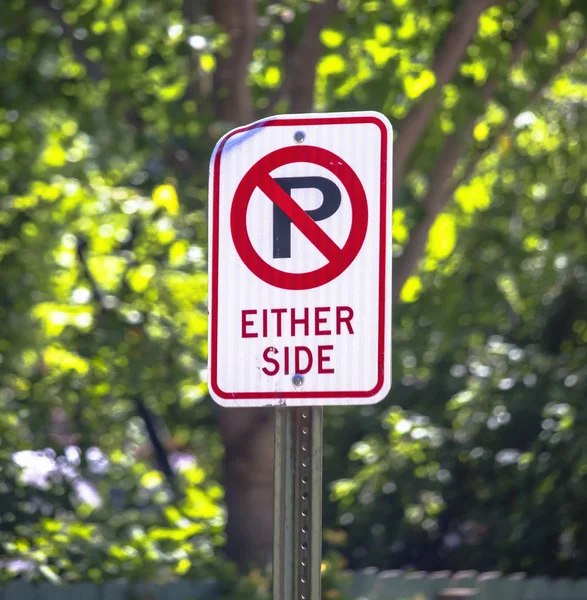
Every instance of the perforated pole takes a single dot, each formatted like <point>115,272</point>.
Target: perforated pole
<point>297,537</point>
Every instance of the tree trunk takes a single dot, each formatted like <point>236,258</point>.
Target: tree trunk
<point>248,435</point>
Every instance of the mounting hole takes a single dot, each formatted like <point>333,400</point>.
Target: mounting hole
<point>304,545</point>
<point>299,136</point>
<point>304,495</point>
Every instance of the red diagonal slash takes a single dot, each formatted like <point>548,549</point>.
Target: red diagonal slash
<point>258,177</point>
<point>299,217</point>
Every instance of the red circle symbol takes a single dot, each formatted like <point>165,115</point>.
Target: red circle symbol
<point>259,176</point>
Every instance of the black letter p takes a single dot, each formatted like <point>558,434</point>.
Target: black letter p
<point>282,223</point>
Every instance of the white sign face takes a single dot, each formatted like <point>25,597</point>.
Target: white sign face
<point>300,262</point>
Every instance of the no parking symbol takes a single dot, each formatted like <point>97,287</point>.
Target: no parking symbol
<point>299,296</point>
<point>287,212</point>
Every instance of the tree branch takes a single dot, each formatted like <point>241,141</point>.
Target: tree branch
<point>446,63</point>
<point>436,198</point>
<point>96,73</point>
<point>441,189</point>
<point>192,10</point>
<point>175,156</point>
<point>142,410</point>
<point>92,69</point>
<point>96,291</point>
<point>158,447</point>
<point>232,93</point>
<point>300,67</point>
<point>536,92</point>
<point>200,84</point>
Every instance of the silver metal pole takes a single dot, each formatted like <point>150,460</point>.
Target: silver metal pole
<point>297,512</point>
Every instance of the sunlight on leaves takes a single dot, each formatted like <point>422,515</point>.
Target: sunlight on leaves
<point>473,196</point>
<point>54,155</point>
<point>399,228</point>
<point>416,86</point>
<point>443,237</point>
<point>331,38</point>
<point>411,290</point>
<point>166,197</point>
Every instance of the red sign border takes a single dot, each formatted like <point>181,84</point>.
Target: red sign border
<point>213,350</point>
<point>356,237</point>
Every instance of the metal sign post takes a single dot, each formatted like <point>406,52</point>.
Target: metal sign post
<point>297,537</point>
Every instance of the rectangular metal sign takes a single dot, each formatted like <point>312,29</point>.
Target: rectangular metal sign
<point>300,261</point>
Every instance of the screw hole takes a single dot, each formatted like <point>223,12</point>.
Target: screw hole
<point>299,136</point>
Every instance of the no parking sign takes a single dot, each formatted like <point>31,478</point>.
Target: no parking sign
<point>300,262</point>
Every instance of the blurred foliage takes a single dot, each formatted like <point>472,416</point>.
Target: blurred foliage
<point>477,460</point>
<point>481,446</point>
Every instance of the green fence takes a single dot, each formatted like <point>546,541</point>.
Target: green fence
<point>364,585</point>
<point>398,585</point>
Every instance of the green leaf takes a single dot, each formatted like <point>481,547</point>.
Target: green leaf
<point>331,38</point>
<point>411,289</point>
<point>152,479</point>
<point>443,237</point>
<point>54,155</point>
<point>331,64</point>
<point>416,86</point>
